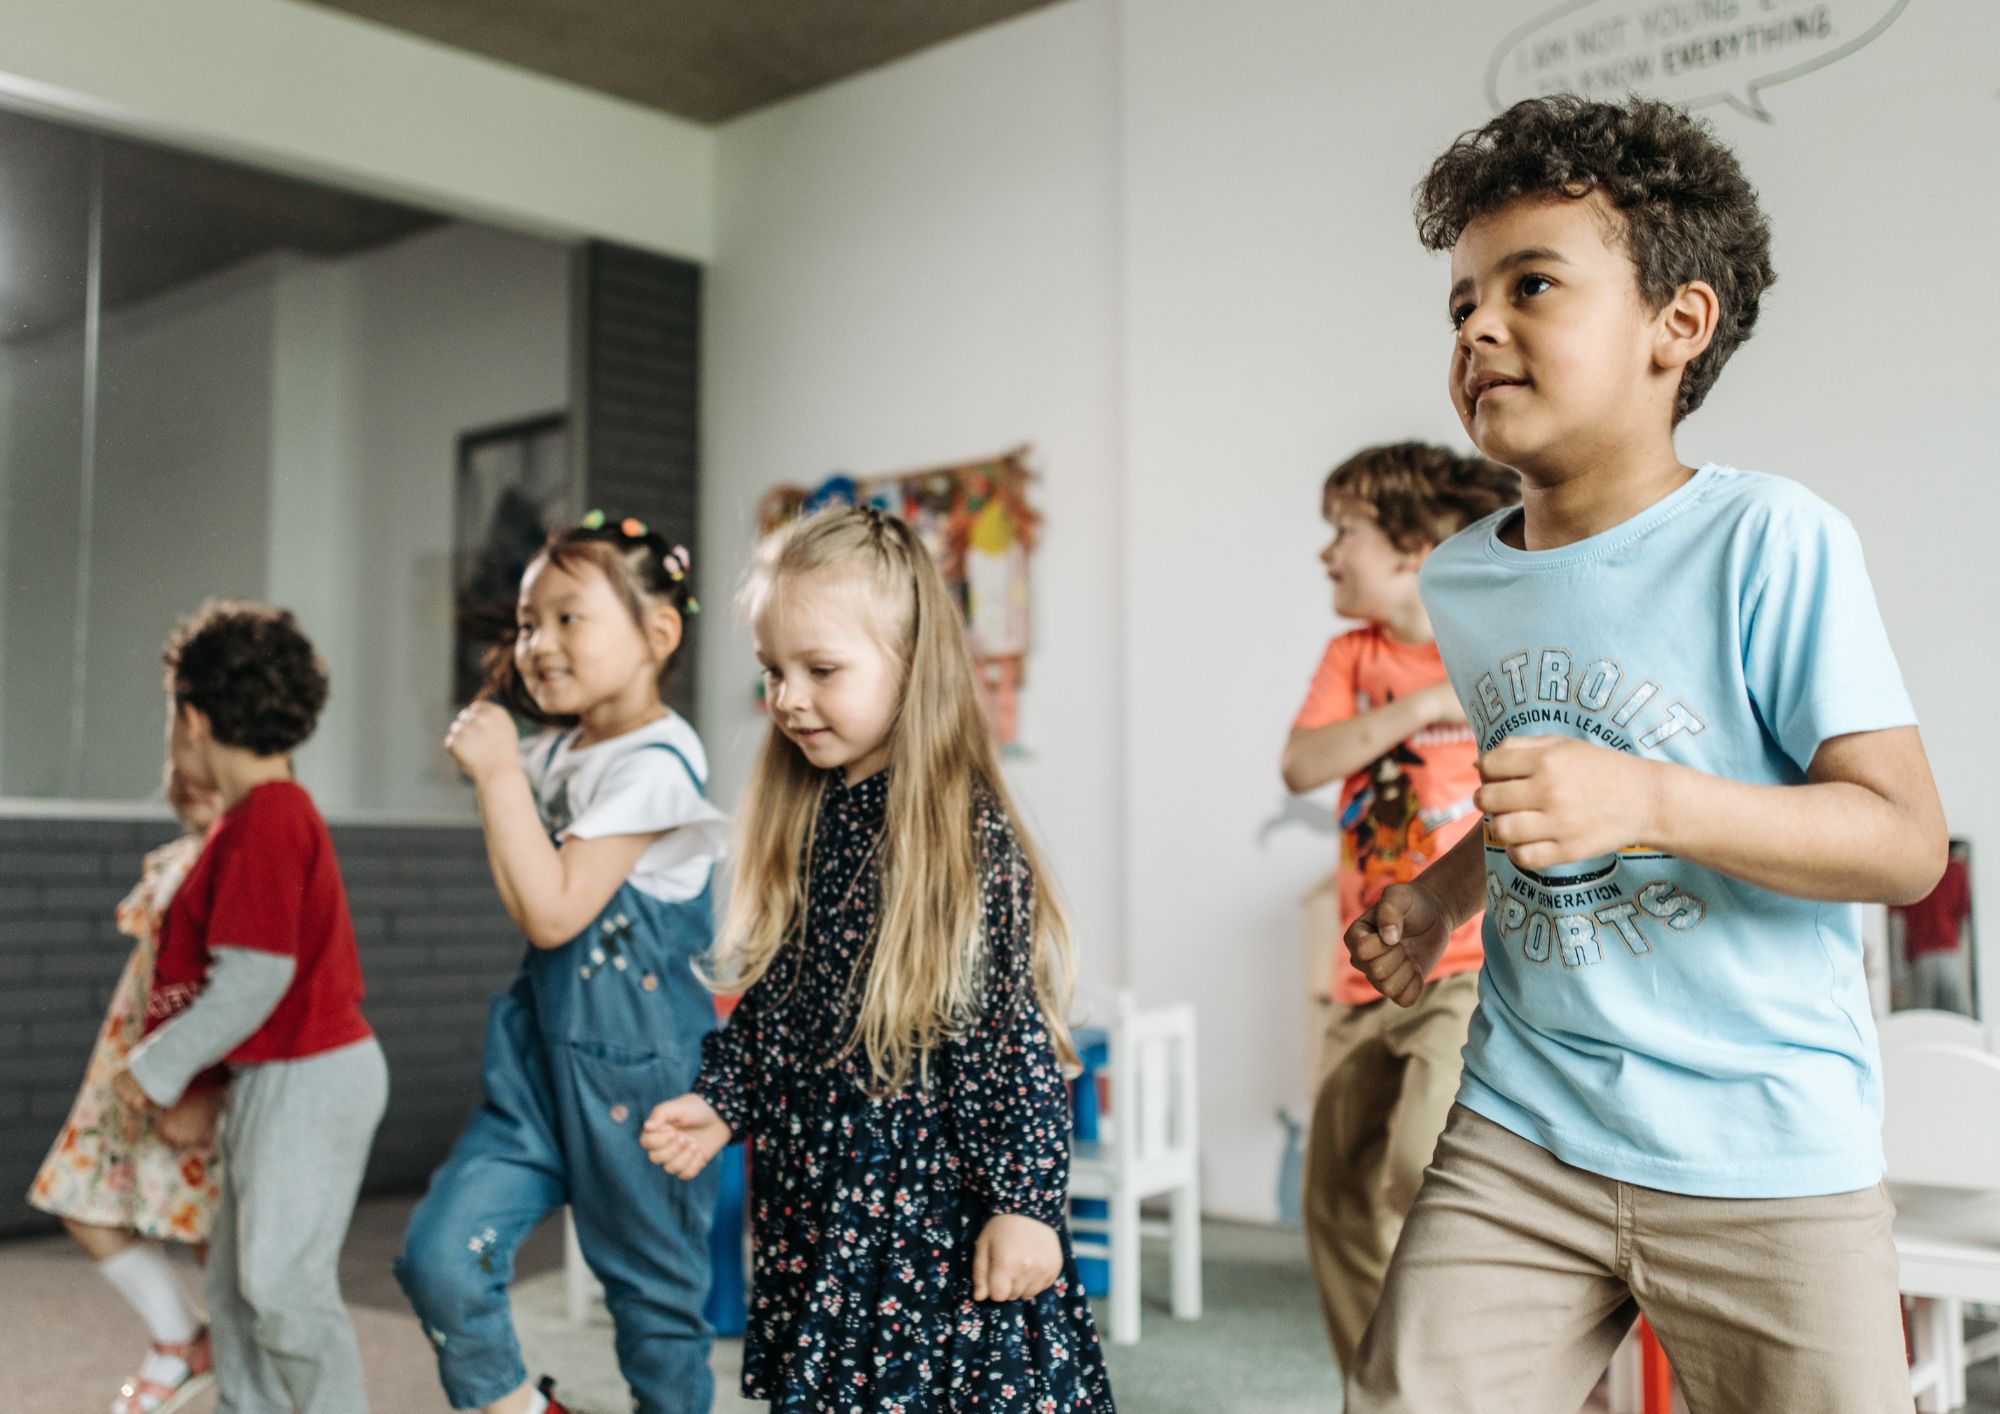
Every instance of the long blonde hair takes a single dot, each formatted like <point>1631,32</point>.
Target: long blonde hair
<point>922,984</point>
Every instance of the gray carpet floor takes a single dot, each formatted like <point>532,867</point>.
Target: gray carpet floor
<point>1259,1348</point>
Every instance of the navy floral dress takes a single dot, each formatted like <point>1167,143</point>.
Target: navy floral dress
<point>866,1211</point>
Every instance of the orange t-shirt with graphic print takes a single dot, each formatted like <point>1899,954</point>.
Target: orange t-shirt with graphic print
<point>1404,810</point>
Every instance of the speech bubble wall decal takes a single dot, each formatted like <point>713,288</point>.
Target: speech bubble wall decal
<point>1691,52</point>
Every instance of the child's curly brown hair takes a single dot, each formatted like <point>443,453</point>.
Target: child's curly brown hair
<point>1687,211</point>
<point>250,670</point>
<point>1421,494</point>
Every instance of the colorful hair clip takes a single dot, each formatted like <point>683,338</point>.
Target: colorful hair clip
<point>633,527</point>
<point>592,520</point>
<point>677,563</point>
<point>694,605</point>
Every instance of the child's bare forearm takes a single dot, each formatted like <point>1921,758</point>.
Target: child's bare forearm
<point>1865,827</point>
<point>1458,877</point>
<point>526,867</point>
<point>1316,756</point>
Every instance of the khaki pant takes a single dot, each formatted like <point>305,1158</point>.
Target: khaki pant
<point>1387,1079</point>
<point>1518,1275</point>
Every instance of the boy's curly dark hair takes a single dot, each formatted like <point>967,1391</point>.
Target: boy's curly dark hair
<point>1422,494</point>
<point>1688,211</point>
<point>251,672</point>
<point>644,568</point>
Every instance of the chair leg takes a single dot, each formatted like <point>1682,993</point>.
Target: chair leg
<point>1953,1351</point>
<point>1927,1372</point>
<point>1124,1269</point>
<point>1186,1253</point>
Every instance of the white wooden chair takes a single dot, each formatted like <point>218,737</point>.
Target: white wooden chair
<point>1917,1027</point>
<point>1941,1132</point>
<point>1152,1152</point>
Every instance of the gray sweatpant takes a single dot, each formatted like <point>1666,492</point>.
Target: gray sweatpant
<point>294,1146</point>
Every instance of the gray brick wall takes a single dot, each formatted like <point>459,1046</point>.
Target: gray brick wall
<point>435,947</point>
<point>638,402</point>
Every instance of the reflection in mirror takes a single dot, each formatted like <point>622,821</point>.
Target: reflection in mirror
<point>218,381</point>
<point>48,192</point>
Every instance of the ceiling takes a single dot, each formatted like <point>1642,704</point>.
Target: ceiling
<point>706,60</point>
<point>170,217</point>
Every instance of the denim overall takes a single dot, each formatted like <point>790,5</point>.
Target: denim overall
<point>590,1036</point>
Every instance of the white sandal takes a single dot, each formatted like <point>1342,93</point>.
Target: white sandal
<point>141,1395</point>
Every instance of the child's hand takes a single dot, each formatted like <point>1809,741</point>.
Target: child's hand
<point>131,1094</point>
<point>1555,800</point>
<point>483,740</point>
<point>190,1124</point>
<point>1396,943</point>
<point>1441,704</point>
<point>1017,1259</point>
<point>681,1135</point>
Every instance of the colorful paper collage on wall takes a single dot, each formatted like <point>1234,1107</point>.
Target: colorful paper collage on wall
<point>977,523</point>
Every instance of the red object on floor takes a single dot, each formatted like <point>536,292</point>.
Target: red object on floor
<point>1656,1378</point>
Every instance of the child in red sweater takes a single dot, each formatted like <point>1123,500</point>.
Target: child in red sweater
<point>258,971</point>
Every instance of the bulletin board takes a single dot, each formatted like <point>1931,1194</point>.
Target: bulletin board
<point>975,519</point>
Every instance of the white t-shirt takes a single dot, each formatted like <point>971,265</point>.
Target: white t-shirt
<point>641,783</point>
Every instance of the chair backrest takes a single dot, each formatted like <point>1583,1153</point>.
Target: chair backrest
<point>1941,1115</point>
<point>1922,1028</point>
<point>1153,1085</point>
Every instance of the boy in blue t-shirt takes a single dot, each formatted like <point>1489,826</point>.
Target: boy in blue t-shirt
<point>1698,757</point>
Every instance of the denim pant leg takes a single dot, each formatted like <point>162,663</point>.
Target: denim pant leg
<point>504,1176</point>
<point>643,1231</point>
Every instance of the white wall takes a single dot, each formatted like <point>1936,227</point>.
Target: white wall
<point>320,94</point>
<point>284,430</point>
<point>919,267</point>
<point>1280,313</point>
<point>453,330</point>
<point>40,456</point>
<point>177,515</point>
<point>180,504</point>
<point>921,263</point>
<point>315,496</point>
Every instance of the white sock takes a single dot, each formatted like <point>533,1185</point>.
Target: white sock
<point>145,1278</point>
<point>538,1403</point>
<point>167,1371</point>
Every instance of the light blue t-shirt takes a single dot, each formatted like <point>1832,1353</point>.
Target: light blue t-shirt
<point>1642,1017</point>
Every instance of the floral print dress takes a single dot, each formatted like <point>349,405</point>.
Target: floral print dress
<point>865,1211</point>
<point>108,1169</point>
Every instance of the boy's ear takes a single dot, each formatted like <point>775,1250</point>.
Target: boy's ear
<point>195,724</point>
<point>1686,325</point>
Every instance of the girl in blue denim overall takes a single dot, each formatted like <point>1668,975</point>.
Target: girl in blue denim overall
<point>601,844</point>
<point>896,1062</point>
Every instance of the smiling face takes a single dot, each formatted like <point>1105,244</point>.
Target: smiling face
<point>1556,361</point>
<point>832,686</point>
<point>578,648</point>
<point>1372,579</point>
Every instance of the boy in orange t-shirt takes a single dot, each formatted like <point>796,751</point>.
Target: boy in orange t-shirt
<point>1382,717</point>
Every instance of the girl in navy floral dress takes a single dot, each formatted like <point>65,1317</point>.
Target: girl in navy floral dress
<point>896,1062</point>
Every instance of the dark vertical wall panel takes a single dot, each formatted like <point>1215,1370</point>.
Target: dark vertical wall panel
<point>638,399</point>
